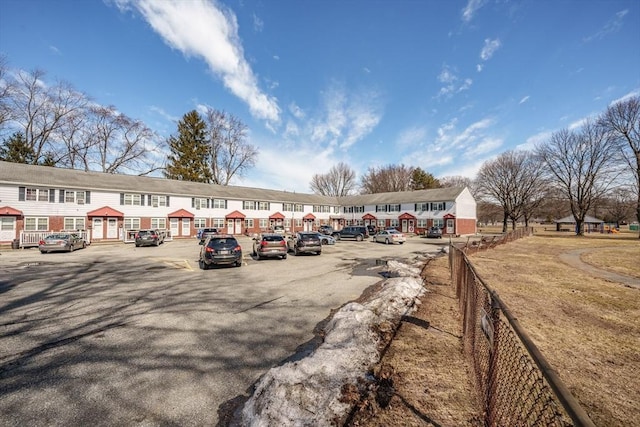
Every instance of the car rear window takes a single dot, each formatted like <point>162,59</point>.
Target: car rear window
<point>272,238</point>
<point>223,241</point>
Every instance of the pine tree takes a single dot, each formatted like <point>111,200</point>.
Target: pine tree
<point>421,180</point>
<point>16,150</point>
<point>190,153</point>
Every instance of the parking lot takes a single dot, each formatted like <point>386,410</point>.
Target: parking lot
<point>119,335</point>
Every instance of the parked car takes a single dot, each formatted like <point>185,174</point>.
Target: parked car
<point>325,239</point>
<point>325,229</point>
<point>203,233</point>
<point>305,242</point>
<point>220,249</point>
<point>278,229</point>
<point>389,237</point>
<point>149,238</point>
<point>56,242</point>
<point>357,232</point>
<point>372,229</point>
<point>270,245</point>
<point>434,232</point>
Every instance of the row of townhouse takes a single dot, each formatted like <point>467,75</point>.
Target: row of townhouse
<point>111,207</point>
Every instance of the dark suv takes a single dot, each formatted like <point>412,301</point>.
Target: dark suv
<point>357,232</point>
<point>325,229</point>
<point>305,242</point>
<point>149,238</point>
<point>434,232</point>
<point>220,249</point>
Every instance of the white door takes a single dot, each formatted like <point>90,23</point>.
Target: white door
<point>7,228</point>
<point>98,232</point>
<point>450,226</point>
<point>405,226</point>
<point>186,227</point>
<point>112,228</point>
<point>174,226</point>
<point>230,223</point>
<point>238,226</point>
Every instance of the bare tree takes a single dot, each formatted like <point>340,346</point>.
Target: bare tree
<point>41,111</point>
<point>580,164</point>
<point>339,181</point>
<point>231,155</point>
<point>386,179</point>
<point>6,89</point>
<point>514,181</point>
<point>623,120</point>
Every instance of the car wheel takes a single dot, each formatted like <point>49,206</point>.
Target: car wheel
<point>43,252</point>
<point>71,248</point>
<point>319,252</point>
<point>203,265</point>
<point>84,245</point>
<point>257,255</point>
<point>284,256</point>
<point>239,263</point>
<point>359,238</point>
<point>137,245</point>
<point>295,251</point>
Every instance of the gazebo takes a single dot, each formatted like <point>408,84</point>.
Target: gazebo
<point>590,223</point>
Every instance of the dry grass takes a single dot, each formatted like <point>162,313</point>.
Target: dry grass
<point>587,328</point>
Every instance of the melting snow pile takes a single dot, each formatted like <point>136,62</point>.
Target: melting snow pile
<point>307,391</point>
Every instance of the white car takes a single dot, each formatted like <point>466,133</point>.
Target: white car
<point>389,237</point>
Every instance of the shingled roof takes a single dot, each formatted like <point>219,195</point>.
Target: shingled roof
<point>44,176</point>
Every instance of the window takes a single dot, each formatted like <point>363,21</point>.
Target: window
<point>381,223</point>
<point>287,207</point>
<point>381,208</point>
<point>249,222</point>
<point>249,205</point>
<point>336,209</point>
<point>160,223</point>
<point>200,203</point>
<point>37,194</point>
<point>219,204</point>
<point>298,223</point>
<point>74,223</point>
<point>393,208</point>
<point>132,200</point>
<point>264,223</point>
<point>263,206</point>
<point>131,224</point>
<point>322,209</point>
<point>36,224</point>
<point>421,223</point>
<point>438,222</point>
<point>200,222</point>
<point>218,222</point>
<point>158,201</point>
<point>421,207</point>
<point>394,223</point>
<point>437,206</point>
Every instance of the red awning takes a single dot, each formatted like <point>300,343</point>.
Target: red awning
<point>9,211</point>
<point>276,215</point>
<point>181,213</point>
<point>368,216</point>
<point>105,211</point>
<point>235,215</point>
<point>309,216</point>
<point>406,216</point>
<point>449,216</point>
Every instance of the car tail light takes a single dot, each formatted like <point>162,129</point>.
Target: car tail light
<point>283,243</point>
<point>237,248</point>
<point>41,242</point>
<point>211,250</point>
<point>137,235</point>
<point>264,243</point>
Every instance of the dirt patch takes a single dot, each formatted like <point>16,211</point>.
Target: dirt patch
<point>423,378</point>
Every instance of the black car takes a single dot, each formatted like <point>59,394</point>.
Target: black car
<point>325,229</point>
<point>357,232</point>
<point>434,232</point>
<point>305,242</point>
<point>220,249</point>
<point>149,238</point>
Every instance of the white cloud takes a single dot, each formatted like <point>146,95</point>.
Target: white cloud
<point>451,82</point>
<point>202,29</point>
<point>490,47</point>
<point>258,24</point>
<point>297,112</point>
<point>411,137</point>
<point>523,100</point>
<point>534,140</point>
<point>613,25</point>
<point>470,9</point>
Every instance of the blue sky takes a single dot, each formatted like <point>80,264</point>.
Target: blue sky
<point>443,85</point>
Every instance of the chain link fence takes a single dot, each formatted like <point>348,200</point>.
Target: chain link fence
<point>517,385</point>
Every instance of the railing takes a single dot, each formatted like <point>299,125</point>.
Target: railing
<point>516,383</point>
<point>30,239</point>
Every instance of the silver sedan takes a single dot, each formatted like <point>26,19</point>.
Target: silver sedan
<point>389,237</point>
<point>66,242</point>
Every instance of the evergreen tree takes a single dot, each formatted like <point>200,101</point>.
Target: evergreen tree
<point>421,180</point>
<point>190,153</point>
<point>16,150</point>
